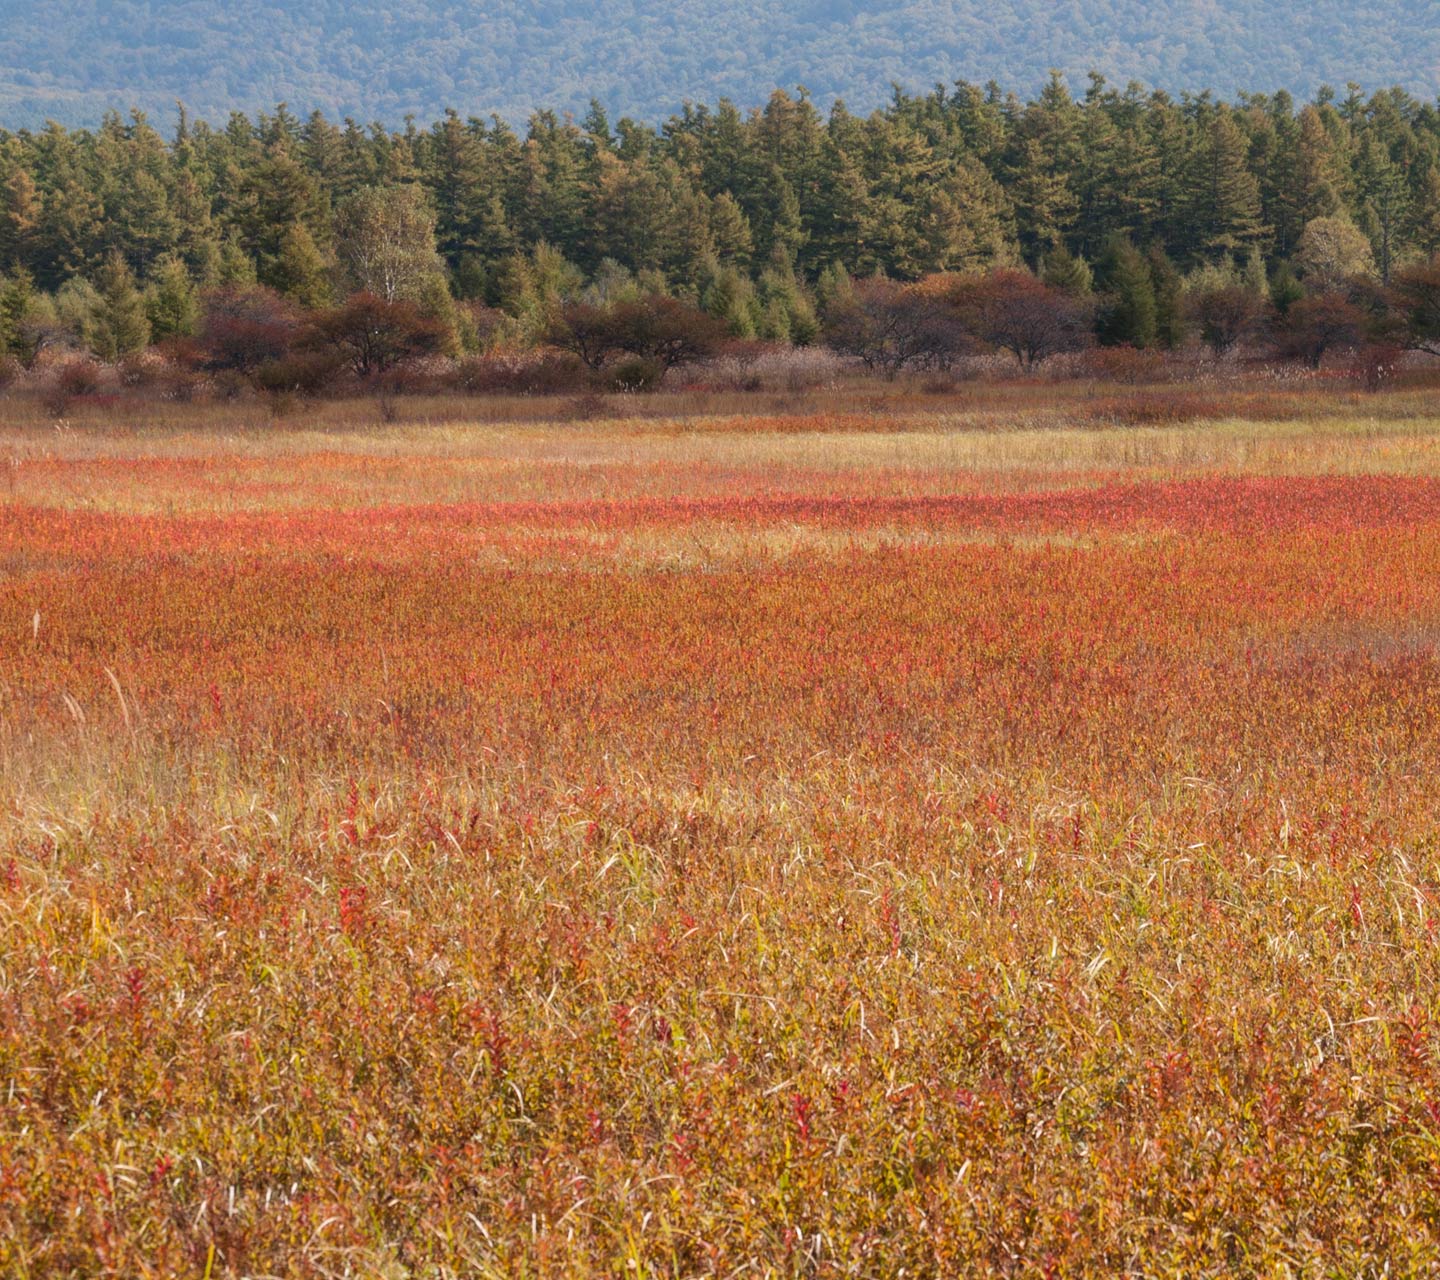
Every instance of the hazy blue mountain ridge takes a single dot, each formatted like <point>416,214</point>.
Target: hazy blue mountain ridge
<point>74,59</point>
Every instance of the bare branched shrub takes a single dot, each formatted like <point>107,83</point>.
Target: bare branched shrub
<point>766,367</point>
<point>523,373</point>
<point>889,327</point>
<point>1124,364</point>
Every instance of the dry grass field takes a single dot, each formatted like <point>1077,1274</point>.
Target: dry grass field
<point>926,839</point>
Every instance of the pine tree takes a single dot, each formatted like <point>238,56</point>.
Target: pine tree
<point>356,161</point>
<point>1285,288</point>
<point>789,315</point>
<point>170,304</point>
<point>458,180</point>
<point>1045,168</point>
<point>397,159</point>
<point>730,297</point>
<point>727,162</point>
<point>1171,134</point>
<point>980,122</point>
<point>730,231</point>
<point>1224,204</point>
<point>1119,182</point>
<point>786,229</point>
<point>471,278</point>
<point>693,239</point>
<point>1063,270</point>
<point>437,303</point>
<point>1317,192</point>
<point>634,217</point>
<point>1128,314</point>
<point>236,268</point>
<point>70,231</point>
<point>787,134</point>
<point>1169,307</point>
<point>958,180</point>
<point>196,236</point>
<point>842,203</point>
<point>118,325</point>
<point>19,218</point>
<point>321,147</point>
<point>495,238</point>
<point>965,223</point>
<point>1423,224</point>
<point>1386,204</point>
<point>1045,205</point>
<point>1253,276</point>
<point>834,290</point>
<point>886,233</point>
<point>532,287</point>
<point>300,271</point>
<point>551,200</point>
<point>597,128</point>
<point>274,196</point>
<point>774,321</point>
<point>17,297</point>
<point>134,170</point>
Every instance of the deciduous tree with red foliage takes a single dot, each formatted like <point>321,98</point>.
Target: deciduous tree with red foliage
<point>584,330</point>
<point>242,329</point>
<point>375,336</point>
<point>656,328</point>
<point>891,326</point>
<point>667,330</point>
<point>1416,297</point>
<point>1225,315</point>
<point>1018,313</point>
<point>1319,323</point>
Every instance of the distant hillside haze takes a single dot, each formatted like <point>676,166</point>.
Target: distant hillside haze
<point>71,60</point>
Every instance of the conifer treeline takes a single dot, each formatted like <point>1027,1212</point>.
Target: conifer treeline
<point>730,208</point>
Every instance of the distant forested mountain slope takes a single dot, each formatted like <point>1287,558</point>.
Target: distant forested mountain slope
<point>73,59</point>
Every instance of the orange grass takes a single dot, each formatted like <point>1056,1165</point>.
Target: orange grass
<point>738,863</point>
